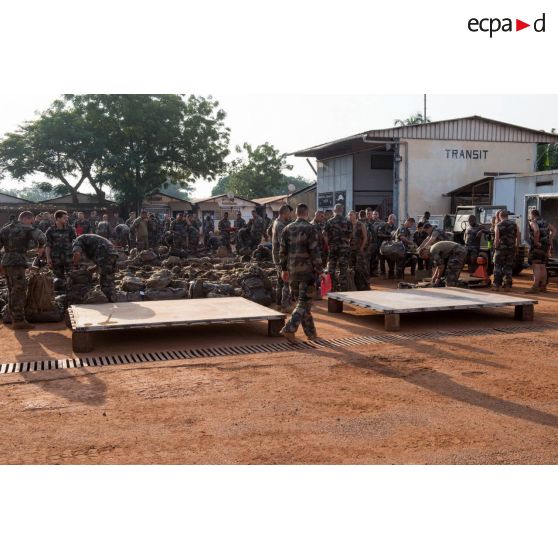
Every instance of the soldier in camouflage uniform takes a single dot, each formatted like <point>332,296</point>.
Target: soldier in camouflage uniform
<point>239,222</point>
<point>506,242</point>
<point>473,237</point>
<point>282,294</point>
<point>373,222</point>
<point>448,259</point>
<point>129,222</point>
<point>83,226</point>
<point>541,237</point>
<point>208,228</point>
<point>193,233</point>
<point>300,260</point>
<point>59,240</point>
<point>384,232</point>
<point>140,231</point>
<point>179,235</point>
<point>46,222</point>
<point>403,234</point>
<point>338,235</point>
<point>103,227</point>
<point>318,223</point>
<point>256,225</point>
<point>94,220</point>
<point>15,239</point>
<point>102,253</point>
<point>224,227</point>
<point>357,259</point>
<point>153,232</point>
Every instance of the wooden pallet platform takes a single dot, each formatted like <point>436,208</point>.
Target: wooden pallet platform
<point>393,303</point>
<point>86,319</point>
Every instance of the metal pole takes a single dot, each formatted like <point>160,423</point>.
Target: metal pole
<point>424,115</point>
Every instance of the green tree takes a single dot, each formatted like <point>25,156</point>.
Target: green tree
<point>416,118</point>
<point>130,144</point>
<point>258,173</point>
<point>176,190</point>
<point>222,186</point>
<point>547,155</point>
<point>60,144</point>
<point>156,139</point>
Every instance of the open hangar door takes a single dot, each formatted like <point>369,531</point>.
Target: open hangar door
<point>373,178</point>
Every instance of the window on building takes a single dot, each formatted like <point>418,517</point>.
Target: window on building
<point>545,183</point>
<point>381,161</point>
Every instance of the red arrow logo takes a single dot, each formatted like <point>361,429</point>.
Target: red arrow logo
<point>519,25</point>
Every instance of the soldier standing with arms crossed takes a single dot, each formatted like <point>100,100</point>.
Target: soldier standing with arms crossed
<point>300,260</point>
<point>15,239</point>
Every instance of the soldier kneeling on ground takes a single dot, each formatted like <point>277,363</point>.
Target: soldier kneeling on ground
<point>448,259</point>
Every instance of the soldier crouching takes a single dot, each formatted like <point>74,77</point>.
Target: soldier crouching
<point>102,253</point>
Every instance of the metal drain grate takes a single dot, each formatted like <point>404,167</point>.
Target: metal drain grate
<point>240,350</point>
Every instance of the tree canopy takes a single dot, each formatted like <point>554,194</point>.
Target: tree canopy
<point>131,144</point>
<point>259,173</point>
<point>547,155</point>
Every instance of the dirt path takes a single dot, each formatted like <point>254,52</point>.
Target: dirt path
<point>460,399</point>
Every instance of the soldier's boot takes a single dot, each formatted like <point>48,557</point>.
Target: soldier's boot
<point>22,325</point>
<point>288,335</point>
<point>533,290</point>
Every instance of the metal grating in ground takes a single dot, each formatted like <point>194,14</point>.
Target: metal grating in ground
<point>240,350</point>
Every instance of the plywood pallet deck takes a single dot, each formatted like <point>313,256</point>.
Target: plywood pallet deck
<point>86,319</point>
<point>393,303</point>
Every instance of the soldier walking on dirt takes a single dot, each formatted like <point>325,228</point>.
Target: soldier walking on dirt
<point>15,239</point>
<point>300,260</point>
<point>102,253</point>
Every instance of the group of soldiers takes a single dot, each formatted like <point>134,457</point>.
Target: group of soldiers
<point>63,248</point>
<point>346,247</point>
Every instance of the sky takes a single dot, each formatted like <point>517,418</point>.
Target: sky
<point>293,122</point>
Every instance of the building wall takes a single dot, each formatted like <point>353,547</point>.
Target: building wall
<point>219,207</point>
<point>309,198</point>
<point>434,169</point>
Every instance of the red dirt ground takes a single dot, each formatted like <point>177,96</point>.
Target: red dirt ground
<point>470,399</point>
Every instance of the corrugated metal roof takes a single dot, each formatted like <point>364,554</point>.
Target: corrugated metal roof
<point>7,198</point>
<point>471,128</point>
<point>211,198</point>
